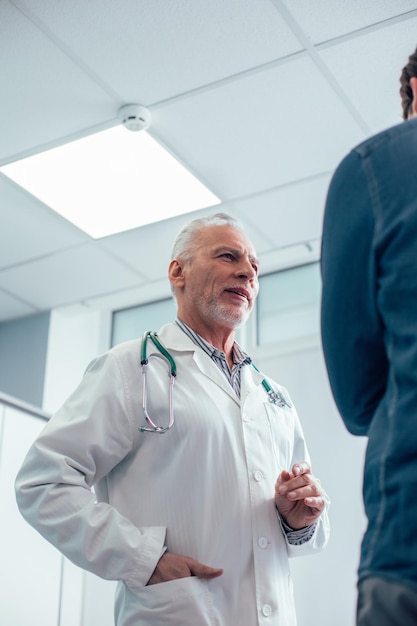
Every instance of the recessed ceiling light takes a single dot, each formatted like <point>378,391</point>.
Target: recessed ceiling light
<point>111,181</point>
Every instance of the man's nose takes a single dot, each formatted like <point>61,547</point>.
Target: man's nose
<point>246,269</point>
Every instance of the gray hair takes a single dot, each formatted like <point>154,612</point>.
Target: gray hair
<point>186,241</point>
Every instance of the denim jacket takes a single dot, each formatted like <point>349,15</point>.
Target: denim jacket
<point>369,333</point>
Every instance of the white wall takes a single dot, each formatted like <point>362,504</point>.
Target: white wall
<point>30,572</point>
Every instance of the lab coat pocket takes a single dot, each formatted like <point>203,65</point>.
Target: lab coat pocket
<point>281,433</point>
<point>182,601</point>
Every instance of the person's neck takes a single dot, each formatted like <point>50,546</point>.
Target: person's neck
<point>219,337</point>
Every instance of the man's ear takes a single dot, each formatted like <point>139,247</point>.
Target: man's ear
<point>176,274</point>
<point>413,85</point>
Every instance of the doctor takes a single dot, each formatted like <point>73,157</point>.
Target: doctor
<point>196,523</point>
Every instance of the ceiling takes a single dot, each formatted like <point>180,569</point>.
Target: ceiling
<point>260,99</point>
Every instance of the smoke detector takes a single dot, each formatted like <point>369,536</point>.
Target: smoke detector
<point>135,117</point>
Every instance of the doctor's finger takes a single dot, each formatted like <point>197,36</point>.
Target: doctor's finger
<point>204,571</point>
<point>283,477</point>
<point>317,503</point>
<point>304,484</point>
<point>301,468</point>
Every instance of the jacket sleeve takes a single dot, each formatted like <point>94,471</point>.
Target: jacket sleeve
<point>89,435</point>
<point>352,330</point>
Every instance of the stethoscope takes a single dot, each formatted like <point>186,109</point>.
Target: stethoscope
<point>275,397</point>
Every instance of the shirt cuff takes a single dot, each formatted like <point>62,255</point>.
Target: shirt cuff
<point>300,536</point>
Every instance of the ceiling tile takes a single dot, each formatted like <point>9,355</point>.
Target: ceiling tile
<point>150,291</point>
<point>11,307</point>
<point>372,85</point>
<point>262,131</point>
<point>29,229</point>
<point>148,249</point>
<point>202,41</point>
<point>265,138</point>
<point>286,216</point>
<point>326,19</point>
<point>68,277</point>
<point>48,95</point>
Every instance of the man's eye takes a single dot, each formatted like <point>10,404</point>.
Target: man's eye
<point>228,255</point>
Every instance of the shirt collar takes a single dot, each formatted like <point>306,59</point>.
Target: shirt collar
<point>239,356</point>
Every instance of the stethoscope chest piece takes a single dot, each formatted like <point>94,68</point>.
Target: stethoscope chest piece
<point>274,397</point>
<point>277,398</point>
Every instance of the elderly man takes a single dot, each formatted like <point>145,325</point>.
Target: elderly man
<point>196,509</point>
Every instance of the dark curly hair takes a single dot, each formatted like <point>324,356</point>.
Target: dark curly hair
<point>406,93</point>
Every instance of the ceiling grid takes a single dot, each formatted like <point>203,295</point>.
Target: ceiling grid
<point>260,99</point>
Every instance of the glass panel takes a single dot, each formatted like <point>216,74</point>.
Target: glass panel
<point>132,323</point>
<point>288,304</point>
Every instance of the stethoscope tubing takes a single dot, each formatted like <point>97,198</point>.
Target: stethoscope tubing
<point>275,397</point>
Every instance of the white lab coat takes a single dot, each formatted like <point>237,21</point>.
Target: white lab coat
<point>203,489</point>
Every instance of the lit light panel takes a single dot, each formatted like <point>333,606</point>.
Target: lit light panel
<point>111,181</point>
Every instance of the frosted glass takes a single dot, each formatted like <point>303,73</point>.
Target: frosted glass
<point>132,323</point>
<point>288,304</point>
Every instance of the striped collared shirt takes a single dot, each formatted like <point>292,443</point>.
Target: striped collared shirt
<point>240,358</point>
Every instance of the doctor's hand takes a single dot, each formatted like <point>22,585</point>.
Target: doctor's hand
<point>299,497</point>
<point>172,566</point>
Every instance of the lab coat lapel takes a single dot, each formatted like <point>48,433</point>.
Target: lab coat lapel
<point>175,339</point>
<point>250,380</point>
<point>210,369</point>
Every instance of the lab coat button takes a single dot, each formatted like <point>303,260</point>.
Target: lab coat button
<point>258,476</point>
<point>263,542</point>
<point>266,610</point>
<point>246,418</point>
